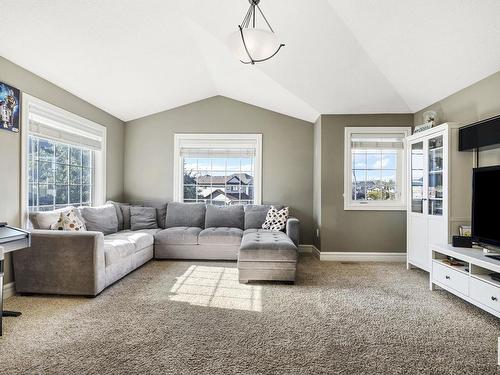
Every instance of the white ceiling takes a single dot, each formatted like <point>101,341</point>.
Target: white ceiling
<point>135,58</point>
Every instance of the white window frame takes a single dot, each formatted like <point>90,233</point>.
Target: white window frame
<point>397,205</point>
<point>71,121</point>
<point>179,138</point>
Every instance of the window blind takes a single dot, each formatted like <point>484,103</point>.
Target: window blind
<point>217,153</point>
<point>222,148</point>
<point>371,141</point>
<point>51,126</point>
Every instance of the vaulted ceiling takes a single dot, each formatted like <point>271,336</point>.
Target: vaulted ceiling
<point>135,58</point>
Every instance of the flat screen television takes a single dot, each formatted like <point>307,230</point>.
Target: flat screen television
<point>486,206</point>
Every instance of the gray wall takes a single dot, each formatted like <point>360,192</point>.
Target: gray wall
<point>287,152</point>
<point>354,231</point>
<point>317,184</point>
<point>10,143</point>
<point>476,102</point>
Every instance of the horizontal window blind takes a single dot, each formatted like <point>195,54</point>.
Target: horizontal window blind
<point>217,153</point>
<point>371,141</point>
<point>218,148</point>
<point>49,125</point>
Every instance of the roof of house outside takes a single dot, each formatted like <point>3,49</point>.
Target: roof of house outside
<point>232,196</point>
<point>244,178</point>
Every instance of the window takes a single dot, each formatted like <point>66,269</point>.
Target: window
<point>63,158</point>
<point>375,168</point>
<point>59,175</point>
<point>221,169</point>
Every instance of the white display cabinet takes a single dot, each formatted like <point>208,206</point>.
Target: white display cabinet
<point>439,190</point>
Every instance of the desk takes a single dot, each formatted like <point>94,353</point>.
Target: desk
<point>11,239</point>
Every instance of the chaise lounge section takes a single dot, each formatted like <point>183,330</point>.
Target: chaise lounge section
<point>121,237</point>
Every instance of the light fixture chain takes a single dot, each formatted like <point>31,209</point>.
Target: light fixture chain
<point>246,20</point>
<point>253,14</point>
<point>265,19</point>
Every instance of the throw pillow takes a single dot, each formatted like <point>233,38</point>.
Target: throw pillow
<point>269,218</point>
<point>100,219</point>
<point>45,219</point>
<point>69,221</point>
<point>120,215</point>
<point>276,219</point>
<point>143,218</point>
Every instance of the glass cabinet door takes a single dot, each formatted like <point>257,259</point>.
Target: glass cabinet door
<point>435,193</point>
<point>417,177</point>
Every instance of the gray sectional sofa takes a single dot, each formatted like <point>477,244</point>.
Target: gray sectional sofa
<point>121,237</point>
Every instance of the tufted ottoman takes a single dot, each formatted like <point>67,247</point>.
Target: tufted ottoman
<point>266,255</point>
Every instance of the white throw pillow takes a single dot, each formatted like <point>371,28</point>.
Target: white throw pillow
<point>276,219</point>
<point>269,218</point>
<point>69,221</point>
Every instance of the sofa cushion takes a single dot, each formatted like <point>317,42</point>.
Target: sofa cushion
<point>125,208</point>
<point>100,219</point>
<point>178,236</point>
<point>122,214</point>
<point>116,249</point>
<point>152,232</point>
<point>220,236</point>
<point>161,212</point>
<point>143,218</point>
<point>255,215</point>
<point>44,219</point>
<point>185,215</point>
<point>224,216</point>
<point>267,245</point>
<point>140,239</point>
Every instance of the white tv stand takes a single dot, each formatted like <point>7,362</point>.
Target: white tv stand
<point>470,282</point>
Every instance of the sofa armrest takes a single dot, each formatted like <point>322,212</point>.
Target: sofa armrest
<point>293,230</point>
<point>60,262</point>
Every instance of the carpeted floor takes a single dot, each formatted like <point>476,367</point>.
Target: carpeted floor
<point>194,318</point>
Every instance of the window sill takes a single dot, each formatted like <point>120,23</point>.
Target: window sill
<point>374,207</point>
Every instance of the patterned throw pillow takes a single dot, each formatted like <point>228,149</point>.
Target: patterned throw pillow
<point>69,221</point>
<point>276,219</point>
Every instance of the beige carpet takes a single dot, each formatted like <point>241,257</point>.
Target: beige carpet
<point>194,318</point>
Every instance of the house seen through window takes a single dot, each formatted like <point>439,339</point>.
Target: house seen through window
<point>219,169</point>
<point>374,168</point>
<point>59,175</point>
<point>220,181</point>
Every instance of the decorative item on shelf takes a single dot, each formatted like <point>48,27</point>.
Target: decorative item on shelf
<point>10,108</point>
<point>432,192</point>
<point>453,262</point>
<point>465,230</point>
<point>430,120</point>
<point>430,117</point>
<point>421,128</point>
<point>251,44</point>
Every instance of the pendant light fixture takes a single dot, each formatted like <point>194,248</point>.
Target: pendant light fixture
<point>251,44</point>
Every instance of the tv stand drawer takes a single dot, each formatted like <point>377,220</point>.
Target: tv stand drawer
<point>484,293</point>
<point>451,278</point>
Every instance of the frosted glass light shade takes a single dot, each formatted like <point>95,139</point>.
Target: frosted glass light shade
<point>261,44</point>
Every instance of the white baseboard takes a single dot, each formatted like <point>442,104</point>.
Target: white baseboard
<point>361,257</point>
<point>9,290</point>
